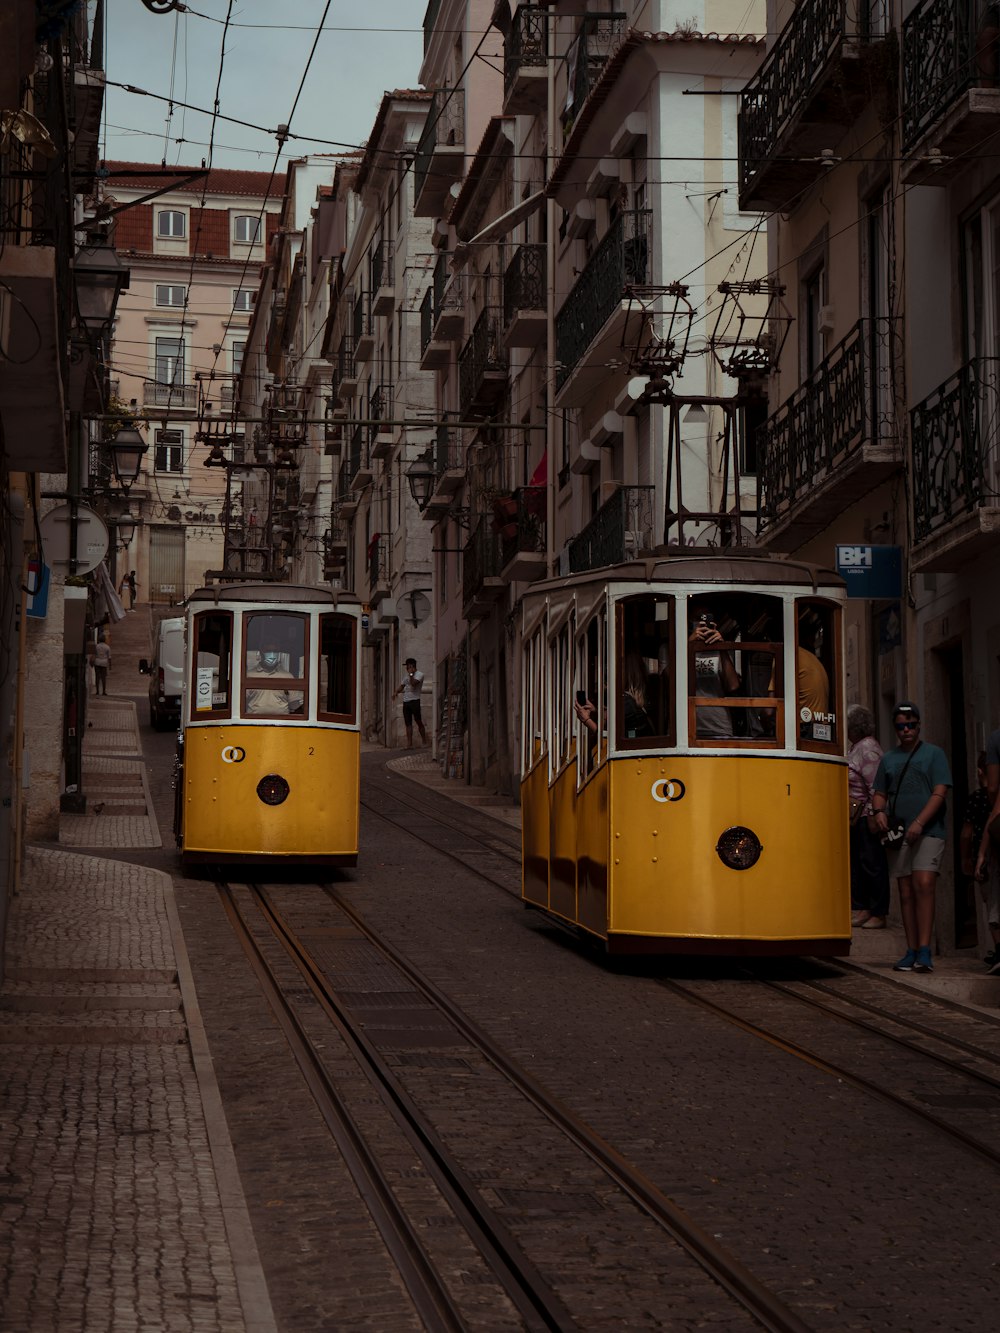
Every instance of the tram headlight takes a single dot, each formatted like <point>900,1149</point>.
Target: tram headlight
<point>273,789</point>
<point>739,848</point>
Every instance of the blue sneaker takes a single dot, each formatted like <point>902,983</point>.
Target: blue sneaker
<point>924,961</point>
<point>907,961</point>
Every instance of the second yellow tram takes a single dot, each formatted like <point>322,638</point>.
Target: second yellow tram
<point>684,785</point>
<point>270,740</point>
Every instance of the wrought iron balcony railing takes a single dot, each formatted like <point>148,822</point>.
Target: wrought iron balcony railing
<point>345,359</point>
<point>947,48</point>
<point>447,451</point>
<point>481,558</point>
<point>380,264</point>
<point>356,452</point>
<point>426,319</point>
<point>445,126</point>
<point>956,447</point>
<point>361,318</point>
<point>379,411</point>
<point>521,521</point>
<point>524,282</point>
<point>379,550</point>
<point>482,356</point>
<point>621,261</point>
<point>527,43</point>
<point>597,41</point>
<point>621,528</point>
<point>796,64</point>
<point>845,403</point>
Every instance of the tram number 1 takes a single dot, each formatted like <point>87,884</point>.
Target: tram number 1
<point>788,788</point>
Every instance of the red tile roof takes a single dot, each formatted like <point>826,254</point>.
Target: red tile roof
<point>221,180</point>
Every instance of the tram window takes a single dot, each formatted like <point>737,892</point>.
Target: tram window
<point>534,716</point>
<point>212,662</point>
<point>735,684</point>
<point>644,655</point>
<point>274,665</point>
<point>560,657</point>
<point>591,649</point>
<point>336,667</point>
<point>815,668</point>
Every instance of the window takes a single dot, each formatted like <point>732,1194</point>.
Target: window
<point>563,715</point>
<point>816,656</point>
<point>813,303</point>
<point>237,352</point>
<point>644,657</point>
<point>171,224</point>
<point>243,300</point>
<point>336,668</point>
<point>169,367</point>
<point>275,656</point>
<point>169,451</point>
<point>246,229</point>
<point>212,664</point>
<point>735,669</point>
<point>533,721</point>
<point>170,296</point>
<point>591,649</point>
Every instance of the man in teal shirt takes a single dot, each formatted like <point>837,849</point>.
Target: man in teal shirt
<point>911,787</point>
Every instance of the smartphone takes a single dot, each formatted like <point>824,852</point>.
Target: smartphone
<point>581,697</point>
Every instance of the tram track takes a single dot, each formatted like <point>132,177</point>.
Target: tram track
<point>538,1305</point>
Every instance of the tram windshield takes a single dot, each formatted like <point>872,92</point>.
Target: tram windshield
<point>336,667</point>
<point>735,686</point>
<point>274,680</point>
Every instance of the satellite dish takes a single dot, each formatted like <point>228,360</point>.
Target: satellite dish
<point>173,512</point>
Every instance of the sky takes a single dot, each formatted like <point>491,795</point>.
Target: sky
<point>365,49</point>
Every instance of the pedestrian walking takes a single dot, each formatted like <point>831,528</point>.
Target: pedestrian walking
<point>910,797</point>
<point>410,687</point>
<point>102,665</point>
<point>869,871</point>
<point>131,589</point>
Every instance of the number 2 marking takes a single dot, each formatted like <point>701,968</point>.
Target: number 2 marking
<point>311,750</point>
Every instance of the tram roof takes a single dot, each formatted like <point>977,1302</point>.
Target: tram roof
<point>282,594</point>
<point>729,568</point>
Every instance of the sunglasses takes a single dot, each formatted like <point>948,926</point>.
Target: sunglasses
<point>907,726</point>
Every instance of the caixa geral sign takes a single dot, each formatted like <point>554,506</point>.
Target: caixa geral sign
<point>872,571</point>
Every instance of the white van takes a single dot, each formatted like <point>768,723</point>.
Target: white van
<point>166,673</point>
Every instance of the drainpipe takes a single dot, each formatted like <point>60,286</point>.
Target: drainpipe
<point>552,480</point>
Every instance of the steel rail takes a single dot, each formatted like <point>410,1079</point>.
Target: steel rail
<point>531,1295</point>
<point>431,1299</point>
<point>757,1299</point>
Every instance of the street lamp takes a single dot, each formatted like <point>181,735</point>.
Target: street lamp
<point>421,476</point>
<point>101,277</point>
<point>126,450</point>
<point>126,524</point>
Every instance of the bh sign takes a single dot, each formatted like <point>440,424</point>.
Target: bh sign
<point>871,571</point>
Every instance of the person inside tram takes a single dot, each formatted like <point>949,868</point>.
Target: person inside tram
<point>262,697</point>
<point>636,697</point>
<point>715,674</point>
<point>812,683</point>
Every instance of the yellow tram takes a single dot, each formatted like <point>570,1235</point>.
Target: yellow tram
<point>270,741</point>
<point>683,781</point>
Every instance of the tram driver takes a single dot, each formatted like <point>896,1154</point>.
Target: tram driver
<point>715,675</point>
<point>262,696</point>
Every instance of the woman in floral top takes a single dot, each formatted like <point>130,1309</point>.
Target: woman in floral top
<point>869,870</point>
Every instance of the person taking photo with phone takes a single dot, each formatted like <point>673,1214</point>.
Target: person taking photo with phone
<point>909,799</point>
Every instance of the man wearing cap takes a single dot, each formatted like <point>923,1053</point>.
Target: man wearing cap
<point>911,787</point>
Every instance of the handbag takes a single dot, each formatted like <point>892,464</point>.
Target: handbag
<point>896,831</point>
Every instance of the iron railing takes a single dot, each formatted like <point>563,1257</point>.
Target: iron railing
<point>621,261</point>
<point>445,125</point>
<point>356,452</point>
<point>621,528</point>
<point>481,558</point>
<point>794,65</point>
<point>155,393</point>
<point>943,55</point>
<point>524,282</point>
<point>378,562</point>
<point>483,353</point>
<point>426,319</point>
<point>447,451</point>
<point>846,402</point>
<point>597,41</point>
<point>527,42</point>
<point>345,358</point>
<point>956,447</point>
<point>380,264</point>
<point>522,523</point>
<point>379,410</point>
<point>361,318</point>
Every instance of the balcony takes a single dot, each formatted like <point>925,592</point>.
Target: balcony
<point>347,367</point>
<point>590,325</point>
<point>440,156</point>
<point>525,62</point>
<point>434,352</point>
<point>448,459</point>
<point>951,90</point>
<point>482,586</point>
<point>832,442</point>
<point>380,433</point>
<point>525,317</point>
<point>598,39</point>
<point>160,397</point>
<point>621,529</point>
<point>362,329</point>
<point>359,472</point>
<point>442,315</point>
<point>521,523</point>
<point>956,469</point>
<point>482,368</point>
<point>32,402</point>
<point>378,568</point>
<point>381,278</point>
<point>816,81</point>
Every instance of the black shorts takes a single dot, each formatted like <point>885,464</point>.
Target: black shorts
<point>411,711</point>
